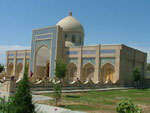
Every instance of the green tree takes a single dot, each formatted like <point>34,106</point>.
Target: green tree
<point>1,68</point>
<point>60,72</point>
<point>136,76</point>
<point>22,100</point>
<point>148,67</point>
<point>61,69</point>
<point>57,93</point>
<point>127,106</point>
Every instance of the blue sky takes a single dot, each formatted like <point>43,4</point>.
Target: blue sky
<point>105,21</point>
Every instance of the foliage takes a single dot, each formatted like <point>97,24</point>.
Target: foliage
<point>57,93</point>
<point>126,106</point>
<point>1,68</point>
<point>148,67</point>
<point>61,69</point>
<point>4,106</point>
<point>22,100</point>
<point>136,75</point>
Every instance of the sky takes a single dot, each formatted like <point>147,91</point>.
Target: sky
<point>105,21</point>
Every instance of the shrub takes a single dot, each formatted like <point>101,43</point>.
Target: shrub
<point>57,93</point>
<point>136,76</point>
<point>126,106</point>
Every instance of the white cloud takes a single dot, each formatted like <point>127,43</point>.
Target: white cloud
<point>4,48</point>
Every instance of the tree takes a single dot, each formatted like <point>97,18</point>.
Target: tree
<point>60,72</point>
<point>61,69</point>
<point>22,100</point>
<point>148,67</point>
<point>136,76</point>
<point>1,68</point>
<point>126,106</point>
<point>57,93</point>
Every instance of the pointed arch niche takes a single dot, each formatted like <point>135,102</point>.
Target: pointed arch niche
<point>10,69</point>
<point>19,70</point>
<point>88,71</point>
<point>108,72</point>
<point>42,64</point>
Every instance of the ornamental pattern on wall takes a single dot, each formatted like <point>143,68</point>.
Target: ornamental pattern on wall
<point>86,60</point>
<point>108,60</point>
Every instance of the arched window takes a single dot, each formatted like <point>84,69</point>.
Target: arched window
<point>66,36</point>
<point>73,38</point>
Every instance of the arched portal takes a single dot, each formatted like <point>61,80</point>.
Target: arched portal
<point>10,69</point>
<point>107,71</point>
<point>19,70</point>
<point>88,72</point>
<point>42,65</point>
<point>72,72</point>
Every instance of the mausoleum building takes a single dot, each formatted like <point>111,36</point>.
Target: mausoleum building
<point>65,40</point>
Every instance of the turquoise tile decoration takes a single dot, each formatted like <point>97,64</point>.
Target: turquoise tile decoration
<point>72,52</point>
<point>44,36</point>
<point>89,52</point>
<point>50,43</point>
<point>86,60</point>
<point>20,54</point>
<point>11,55</point>
<point>72,60</point>
<point>108,60</point>
<point>107,51</point>
<point>19,61</point>
<point>40,43</point>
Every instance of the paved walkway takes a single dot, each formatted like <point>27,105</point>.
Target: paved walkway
<point>84,90</point>
<point>40,98</point>
<point>51,109</point>
<point>41,108</point>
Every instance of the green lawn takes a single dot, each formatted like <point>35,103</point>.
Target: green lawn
<point>104,101</point>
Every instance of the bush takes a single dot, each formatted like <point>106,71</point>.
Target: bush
<point>126,106</point>
<point>136,76</point>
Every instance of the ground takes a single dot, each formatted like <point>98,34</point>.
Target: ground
<point>102,101</point>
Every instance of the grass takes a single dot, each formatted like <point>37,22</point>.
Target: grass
<point>103,101</point>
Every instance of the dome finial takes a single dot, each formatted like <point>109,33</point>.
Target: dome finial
<point>70,13</point>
